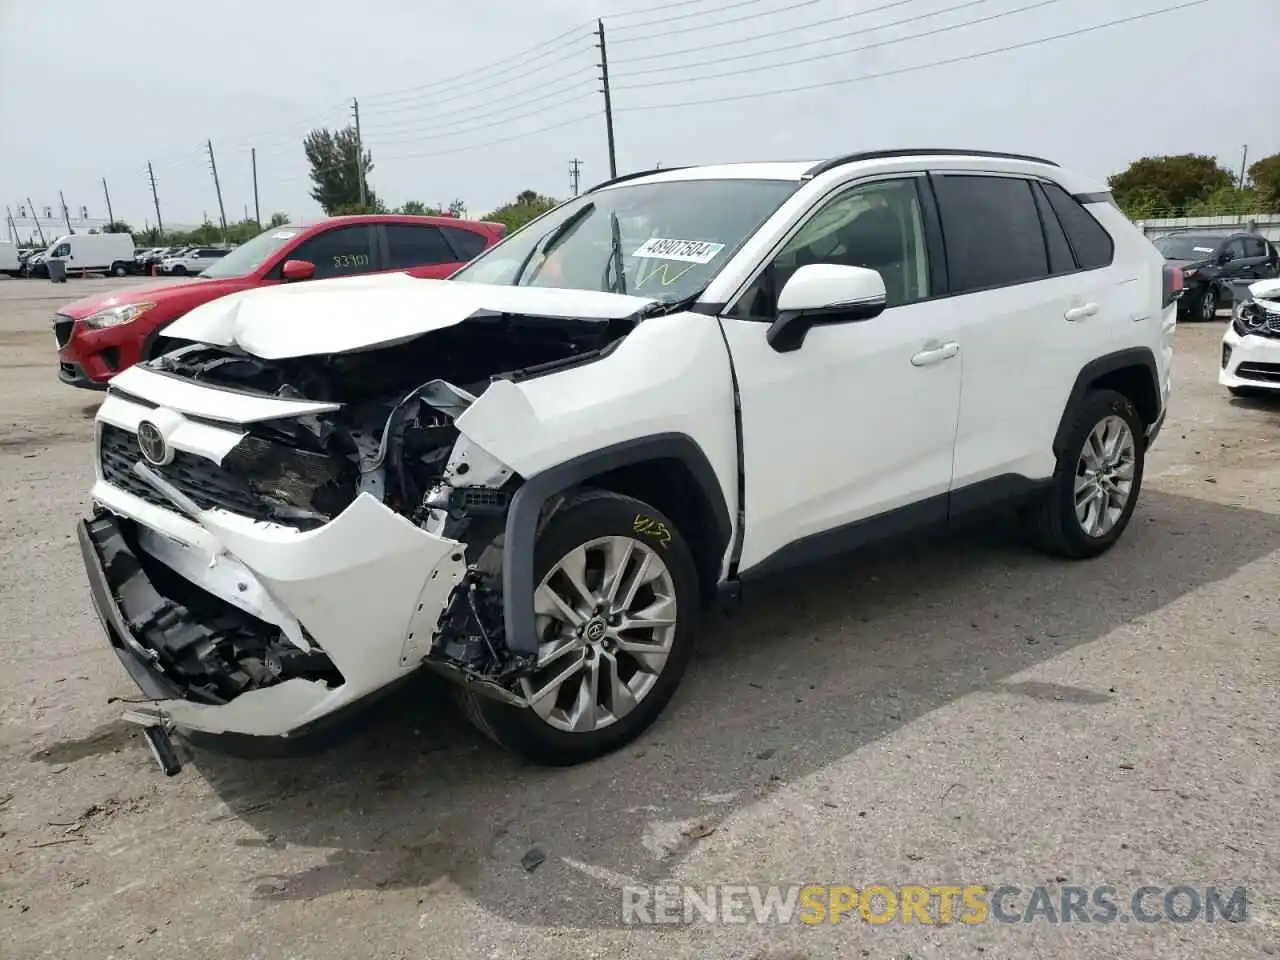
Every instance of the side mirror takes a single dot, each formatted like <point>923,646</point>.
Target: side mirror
<point>1225,256</point>
<point>821,293</point>
<point>297,270</point>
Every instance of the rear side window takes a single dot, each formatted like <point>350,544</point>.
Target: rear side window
<point>1091,243</point>
<point>412,246</point>
<point>1255,247</point>
<point>1060,258</point>
<point>992,231</point>
<point>467,243</point>
<point>339,252</point>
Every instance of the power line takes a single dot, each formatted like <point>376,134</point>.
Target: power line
<point>685,16</point>
<point>566,84</point>
<point>519,136</point>
<point>780,91</point>
<point>760,68</point>
<point>433,134</point>
<point>663,34</point>
<point>435,84</point>
<point>739,41</point>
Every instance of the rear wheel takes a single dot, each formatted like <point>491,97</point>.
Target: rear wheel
<point>1207,306</point>
<point>616,612</point>
<point>1097,480</point>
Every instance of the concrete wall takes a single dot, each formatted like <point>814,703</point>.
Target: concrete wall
<point>1266,224</point>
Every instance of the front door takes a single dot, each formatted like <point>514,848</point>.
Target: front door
<point>861,420</point>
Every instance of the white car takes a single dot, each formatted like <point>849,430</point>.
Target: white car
<point>191,261</point>
<point>1251,345</point>
<point>533,476</point>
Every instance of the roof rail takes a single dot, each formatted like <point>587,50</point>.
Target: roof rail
<point>623,177</point>
<point>825,165</point>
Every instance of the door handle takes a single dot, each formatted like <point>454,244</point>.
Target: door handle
<point>935,354</point>
<point>1081,312</point>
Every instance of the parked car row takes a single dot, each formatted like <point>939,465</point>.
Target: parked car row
<point>104,334</point>
<point>533,477</point>
<point>1210,261</point>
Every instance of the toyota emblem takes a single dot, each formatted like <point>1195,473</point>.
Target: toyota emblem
<point>151,443</point>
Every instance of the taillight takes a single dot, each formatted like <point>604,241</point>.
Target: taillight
<point>1173,284</point>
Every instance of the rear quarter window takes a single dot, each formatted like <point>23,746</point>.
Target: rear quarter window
<point>467,243</point>
<point>1092,245</point>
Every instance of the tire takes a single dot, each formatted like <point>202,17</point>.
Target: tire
<point>1053,521</point>
<point>585,517</point>
<point>1207,304</point>
<point>178,271</point>
<point>119,270</point>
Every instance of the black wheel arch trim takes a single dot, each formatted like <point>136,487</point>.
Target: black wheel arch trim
<point>526,507</point>
<point>1099,367</point>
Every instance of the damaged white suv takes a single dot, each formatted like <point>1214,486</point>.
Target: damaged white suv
<point>534,476</point>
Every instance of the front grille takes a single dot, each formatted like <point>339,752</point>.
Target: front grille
<point>62,329</point>
<point>206,483</point>
<point>1263,372</point>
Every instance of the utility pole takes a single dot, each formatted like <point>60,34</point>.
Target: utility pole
<point>355,108</point>
<point>156,200</point>
<point>575,174</point>
<point>257,217</point>
<point>608,99</point>
<point>35,215</point>
<point>13,230</point>
<point>66,217</point>
<point>106,193</point>
<point>222,211</point>
<point>1244,158</point>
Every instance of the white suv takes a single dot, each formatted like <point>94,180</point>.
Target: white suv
<point>533,477</point>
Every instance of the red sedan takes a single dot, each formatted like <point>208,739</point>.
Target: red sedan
<point>103,334</point>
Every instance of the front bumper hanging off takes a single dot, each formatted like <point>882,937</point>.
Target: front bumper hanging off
<point>367,567</point>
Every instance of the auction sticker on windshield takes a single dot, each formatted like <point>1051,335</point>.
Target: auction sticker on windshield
<point>686,251</point>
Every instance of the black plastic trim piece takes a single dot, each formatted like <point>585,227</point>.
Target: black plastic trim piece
<point>533,494</point>
<point>825,165</point>
<point>1100,367</point>
<point>1100,196</point>
<point>634,175</point>
<point>1004,490</point>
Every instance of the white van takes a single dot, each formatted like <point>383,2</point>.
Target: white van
<point>8,259</point>
<point>94,253</point>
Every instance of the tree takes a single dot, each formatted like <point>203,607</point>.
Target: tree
<point>416,208</point>
<point>528,205</point>
<point>335,161</point>
<point>278,219</point>
<point>1171,183</point>
<point>117,226</point>
<point>1264,174</point>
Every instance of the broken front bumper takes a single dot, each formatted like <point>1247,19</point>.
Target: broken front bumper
<point>364,593</point>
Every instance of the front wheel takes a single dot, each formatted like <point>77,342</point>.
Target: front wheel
<point>616,611</point>
<point>119,270</point>
<point>179,271</point>
<point>1096,484</point>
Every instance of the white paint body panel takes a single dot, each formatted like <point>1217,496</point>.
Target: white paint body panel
<point>356,313</point>
<point>1250,349</point>
<point>845,427</point>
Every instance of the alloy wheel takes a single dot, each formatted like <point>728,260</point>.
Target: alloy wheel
<point>1104,476</point>
<point>606,619</point>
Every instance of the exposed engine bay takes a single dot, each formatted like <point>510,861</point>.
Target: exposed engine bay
<point>393,437</point>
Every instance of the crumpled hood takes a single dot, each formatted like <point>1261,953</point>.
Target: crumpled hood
<point>354,313</point>
<point>160,294</point>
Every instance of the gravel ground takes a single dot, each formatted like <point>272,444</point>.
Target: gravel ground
<point>960,711</point>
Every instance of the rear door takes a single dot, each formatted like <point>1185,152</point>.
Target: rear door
<point>1256,261</point>
<point>419,250</point>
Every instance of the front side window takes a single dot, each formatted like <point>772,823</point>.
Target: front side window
<point>878,225</point>
<point>62,250</point>
<point>666,240</point>
<point>340,252</point>
<point>992,231</point>
<point>1235,249</point>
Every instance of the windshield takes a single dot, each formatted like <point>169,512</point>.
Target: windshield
<point>1187,248</point>
<point>662,240</point>
<point>248,257</point>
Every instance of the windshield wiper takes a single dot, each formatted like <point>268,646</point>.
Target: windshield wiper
<point>615,265</point>
<point>553,238</point>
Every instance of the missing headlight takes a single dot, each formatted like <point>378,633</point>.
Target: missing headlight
<point>297,483</point>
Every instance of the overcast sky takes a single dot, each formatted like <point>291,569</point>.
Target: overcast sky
<point>92,89</point>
